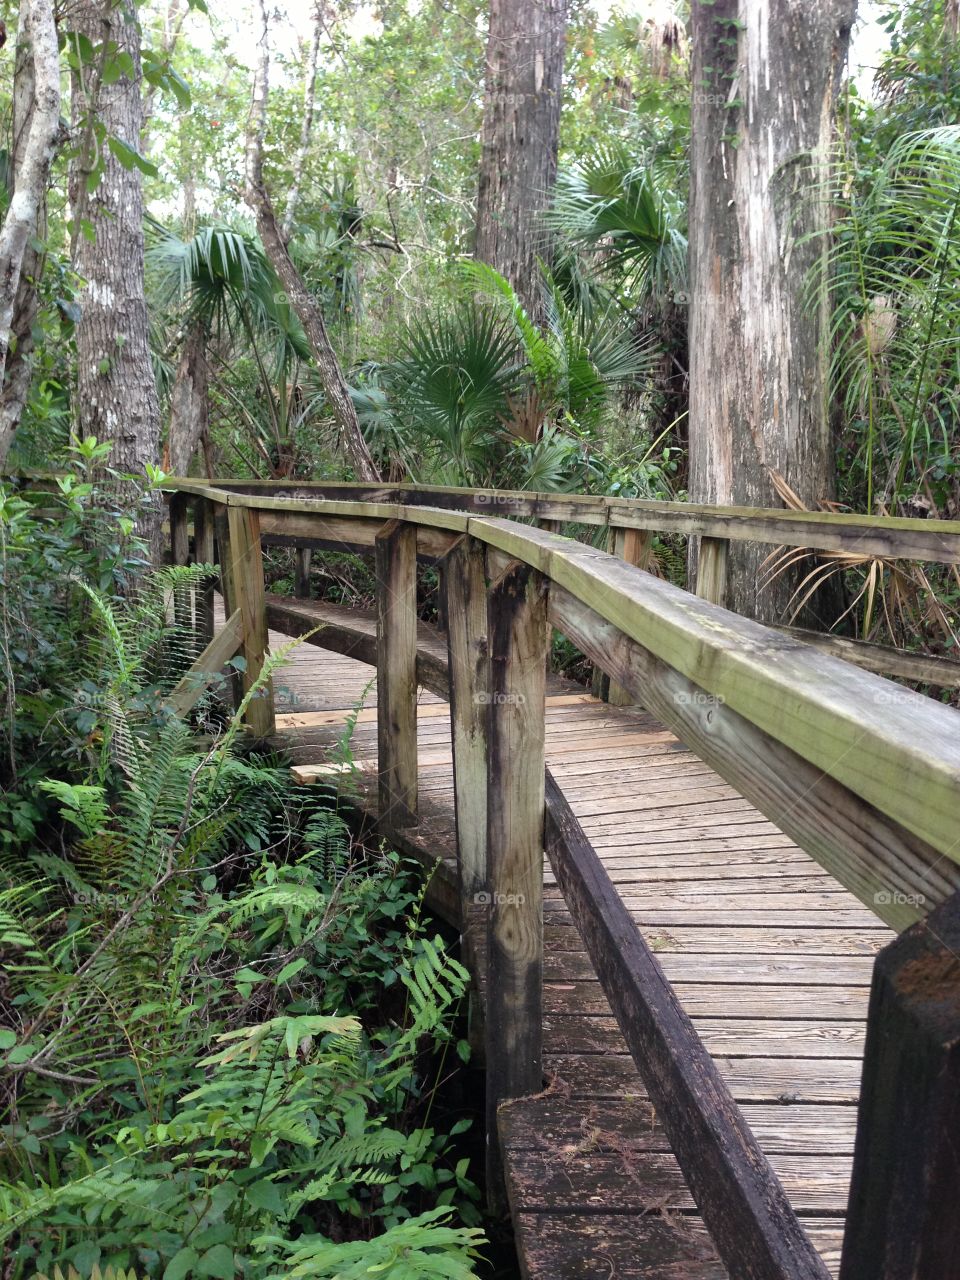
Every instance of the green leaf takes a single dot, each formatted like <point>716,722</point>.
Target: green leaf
<point>288,970</point>
<point>181,1264</point>
<point>217,1261</point>
<point>7,1038</point>
<point>130,158</point>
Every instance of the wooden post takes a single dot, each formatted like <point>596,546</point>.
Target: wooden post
<point>396,563</point>
<point>902,1220</point>
<point>517,633</point>
<point>466,596</point>
<point>301,587</point>
<point>204,553</point>
<point>712,569</point>
<point>633,546</point>
<point>180,554</point>
<point>242,572</point>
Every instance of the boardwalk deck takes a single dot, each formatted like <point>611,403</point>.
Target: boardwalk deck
<point>768,954</point>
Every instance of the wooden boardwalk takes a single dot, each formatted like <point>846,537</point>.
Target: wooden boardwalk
<point>769,956</point>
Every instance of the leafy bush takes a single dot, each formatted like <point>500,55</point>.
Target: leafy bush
<point>223,1024</point>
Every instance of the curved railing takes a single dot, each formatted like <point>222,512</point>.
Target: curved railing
<point>860,772</point>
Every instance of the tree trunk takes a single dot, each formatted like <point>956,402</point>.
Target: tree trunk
<point>521,129</point>
<point>765,81</point>
<point>36,133</point>
<point>116,391</point>
<point>300,298</point>
<point>188,405</point>
<point>309,96</point>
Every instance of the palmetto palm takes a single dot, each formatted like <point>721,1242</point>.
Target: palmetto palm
<point>222,298</point>
<point>892,274</point>
<point>610,209</point>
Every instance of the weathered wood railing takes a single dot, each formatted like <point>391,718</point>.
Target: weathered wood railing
<point>632,524</point>
<point>861,773</point>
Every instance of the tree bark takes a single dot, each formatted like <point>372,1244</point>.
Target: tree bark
<point>189,408</point>
<point>306,125</point>
<point>116,392</point>
<point>765,80</point>
<point>300,298</point>
<point>521,130</point>
<point>36,134</point>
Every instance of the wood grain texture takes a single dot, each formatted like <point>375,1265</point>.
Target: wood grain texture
<point>517,644</point>
<point>243,589</point>
<point>743,1203</point>
<point>903,1223</point>
<point>396,567</point>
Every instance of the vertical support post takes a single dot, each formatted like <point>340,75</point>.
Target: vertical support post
<point>242,571</point>
<point>203,552</point>
<point>466,596</point>
<point>517,632</point>
<point>633,546</point>
<point>180,554</point>
<point>301,588</point>
<point>712,569</point>
<point>396,564</point>
<point>902,1222</point>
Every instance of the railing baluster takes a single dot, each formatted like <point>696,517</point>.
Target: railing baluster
<point>204,553</point>
<point>712,569</point>
<point>466,595</point>
<point>301,589</point>
<point>180,553</point>
<point>517,638</point>
<point>902,1221</point>
<point>242,577</point>
<point>396,564</point>
<point>634,547</point>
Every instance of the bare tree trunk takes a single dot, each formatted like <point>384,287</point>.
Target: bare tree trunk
<point>300,298</point>
<point>521,129</point>
<point>309,98</point>
<point>188,405</point>
<point>116,392</point>
<point>37,129</point>
<point>765,81</point>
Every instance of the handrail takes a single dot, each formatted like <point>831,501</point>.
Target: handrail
<point>894,537</point>
<point>860,772</point>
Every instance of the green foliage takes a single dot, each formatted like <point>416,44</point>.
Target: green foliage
<point>892,268</point>
<point>223,1024</point>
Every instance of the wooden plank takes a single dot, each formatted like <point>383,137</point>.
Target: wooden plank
<point>552,1123</point>
<point>742,1202</point>
<point>891,870</point>
<point>189,690</point>
<point>712,569</point>
<point>396,558</point>
<point>889,537</point>
<point>633,546</point>
<point>906,1176</point>
<point>204,553</point>
<point>301,587</point>
<point>180,553</point>
<point>923,668</point>
<point>742,1037</point>
<point>517,640</point>
<point>902,756</point>
<point>243,591</point>
<point>614,1075</point>
<point>466,596</point>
